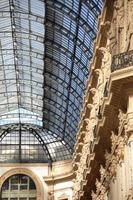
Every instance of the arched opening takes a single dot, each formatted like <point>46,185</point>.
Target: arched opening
<point>18,187</point>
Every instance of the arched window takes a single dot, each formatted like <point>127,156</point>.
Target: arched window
<point>18,187</point>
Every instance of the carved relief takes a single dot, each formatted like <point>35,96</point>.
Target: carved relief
<point>94,196</point>
<point>90,126</point>
<point>95,98</point>
<point>106,63</point>
<point>121,117</point>
<point>100,84</point>
<point>120,34</point>
<point>103,194</point>
<point>98,185</point>
<point>129,38</point>
<point>114,140</point>
<point>77,181</point>
<point>120,149</point>
<point>107,157</point>
<point>119,6</point>
<point>112,167</point>
<point>112,34</point>
<point>116,32</point>
<point>102,172</point>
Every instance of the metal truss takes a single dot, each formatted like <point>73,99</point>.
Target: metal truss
<point>45,49</point>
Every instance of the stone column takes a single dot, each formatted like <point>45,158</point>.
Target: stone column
<point>130,147</point>
<point>123,181</point>
<point>129,132</point>
<point>130,114</point>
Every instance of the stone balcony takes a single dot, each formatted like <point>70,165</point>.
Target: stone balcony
<point>116,90</point>
<point>122,60</point>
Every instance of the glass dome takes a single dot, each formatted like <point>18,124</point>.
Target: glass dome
<point>45,49</point>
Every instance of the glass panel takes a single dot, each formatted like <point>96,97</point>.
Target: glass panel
<point>13,198</point>
<point>31,198</point>
<point>14,187</point>
<point>23,187</point>
<point>19,187</point>
<point>22,198</point>
<point>45,49</point>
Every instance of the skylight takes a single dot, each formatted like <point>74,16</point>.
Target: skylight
<point>45,49</point>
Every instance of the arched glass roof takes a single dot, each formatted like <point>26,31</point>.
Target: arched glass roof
<point>45,49</point>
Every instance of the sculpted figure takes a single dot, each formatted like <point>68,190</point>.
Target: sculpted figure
<point>90,126</point>
<point>100,83</point>
<point>96,98</point>
<point>93,114</point>
<point>102,172</point>
<point>91,122</point>
<point>79,176</point>
<point>107,157</point>
<point>121,116</point>
<point>83,159</point>
<point>120,149</point>
<point>129,38</point>
<point>106,63</point>
<point>76,186</point>
<point>98,184</point>
<point>119,6</point>
<point>94,196</point>
<point>112,34</point>
<point>113,165</point>
<point>117,27</point>
<point>114,138</point>
<point>103,195</point>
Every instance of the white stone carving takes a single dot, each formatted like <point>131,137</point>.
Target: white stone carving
<point>102,172</point>
<point>90,126</point>
<point>98,184</point>
<point>100,84</point>
<point>94,196</point>
<point>106,63</point>
<point>129,35</point>
<point>121,117</point>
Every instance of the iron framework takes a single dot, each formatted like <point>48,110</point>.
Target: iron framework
<point>45,49</point>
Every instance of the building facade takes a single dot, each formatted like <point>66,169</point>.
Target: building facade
<point>44,52</point>
<point>103,157</point>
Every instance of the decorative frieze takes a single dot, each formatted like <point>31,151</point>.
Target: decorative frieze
<point>118,33</point>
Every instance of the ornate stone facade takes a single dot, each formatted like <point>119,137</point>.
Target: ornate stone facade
<point>108,138</point>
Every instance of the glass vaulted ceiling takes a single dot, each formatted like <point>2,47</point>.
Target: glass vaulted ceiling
<point>45,48</point>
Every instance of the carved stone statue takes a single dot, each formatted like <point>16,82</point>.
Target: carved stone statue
<point>102,172</point>
<point>107,157</point>
<point>95,98</point>
<point>89,128</point>
<point>113,165</point>
<point>78,176</point>
<point>112,34</point>
<point>94,196</point>
<point>106,63</point>
<point>77,186</point>
<point>98,185</point>
<point>100,83</point>
<point>113,138</point>
<point>129,38</point>
<point>93,114</point>
<point>119,6</point>
<point>116,28</point>
<point>103,194</point>
<point>120,149</point>
<point>121,116</point>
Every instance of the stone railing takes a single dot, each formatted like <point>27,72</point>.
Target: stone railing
<point>122,60</point>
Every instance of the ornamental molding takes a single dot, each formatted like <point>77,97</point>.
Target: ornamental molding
<point>31,174</point>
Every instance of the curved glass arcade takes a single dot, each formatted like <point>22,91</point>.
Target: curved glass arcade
<point>45,49</point>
